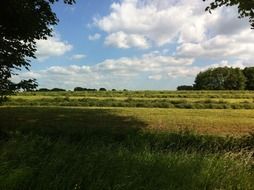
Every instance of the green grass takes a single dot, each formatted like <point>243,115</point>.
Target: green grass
<point>145,99</point>
<point>151,94</point>
<point>125,148</point>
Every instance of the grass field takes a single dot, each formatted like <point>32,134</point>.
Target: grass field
<point>52,146</point>
<point>147,99</point>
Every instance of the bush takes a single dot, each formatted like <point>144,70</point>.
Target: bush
<point>185,87</point>
<point>102,89</point>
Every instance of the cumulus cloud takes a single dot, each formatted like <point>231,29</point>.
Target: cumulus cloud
<point>94,37</point>
<point>238,46</point>
<point>166,21</point>
<point>153,63</point>
<point>78,56</point>
<point>123,40</point>
<point>125,72</point>
<point>114,72</point>
<point>51,47</point>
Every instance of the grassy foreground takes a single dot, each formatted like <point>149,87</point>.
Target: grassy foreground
<point>125,148</point>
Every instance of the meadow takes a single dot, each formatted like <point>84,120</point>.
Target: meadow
<point>148,99</point>
<point>127,140</point>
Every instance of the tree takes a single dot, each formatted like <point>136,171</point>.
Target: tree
<point>57,90</point>
<point>245,8</point>
<point>249,74</point>
<point>22,22</point>
<point>79,89</point>
<point>28,85</point>
<point>221,78</point>
<point>43,90</point>
<point>185,87</point>
<point>235,80</point>
<point>102,89</point>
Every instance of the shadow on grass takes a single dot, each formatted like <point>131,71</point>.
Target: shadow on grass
<point>60,148</point>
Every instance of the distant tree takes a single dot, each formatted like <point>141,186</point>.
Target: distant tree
<point>91,89</point>
<point>249,74</point>
<point>221,78</point>
<point>22,22</point>
<point>57,90</point>
<point>79,89</point>
<point>43,90</point>
<point>102,89</point>
<point>185,87</point>
<point>113,90</point>
<point>245,7</point>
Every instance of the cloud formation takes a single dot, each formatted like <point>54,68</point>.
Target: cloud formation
<point>113,72</point>
<point>51,47</point>
<point>123,40</point>
<point>94,37</point>
<point>159,22</point>
<point>78,56</point>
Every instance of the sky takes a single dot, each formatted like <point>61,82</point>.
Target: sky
<point>139,44</point>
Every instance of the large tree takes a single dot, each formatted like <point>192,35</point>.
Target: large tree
<point>22,22</point>
<point>249,74</point>
<point>245,7</point>
<point>220,78</point>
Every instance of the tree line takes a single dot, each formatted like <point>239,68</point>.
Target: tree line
<point>76,89</point>
<point>223,78</point>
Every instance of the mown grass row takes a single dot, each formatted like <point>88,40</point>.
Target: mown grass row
<point>63,148</point>
<point>151,94</point>
<point>130,102</point>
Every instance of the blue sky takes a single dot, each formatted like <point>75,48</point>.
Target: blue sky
<point>139,44</point>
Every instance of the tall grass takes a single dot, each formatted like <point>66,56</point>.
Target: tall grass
<point>63,148</point>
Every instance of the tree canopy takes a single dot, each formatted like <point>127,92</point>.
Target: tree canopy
<point>221,78</point>
<point>22,22</point>
<point>245,7</point>
<point>249,74</point>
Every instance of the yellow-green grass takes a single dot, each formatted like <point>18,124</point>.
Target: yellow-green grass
<point>215,122</point>
<point>125,148</point>
<point>147,102</point>
<point>201,121</point>
<point>225,100</point>
<point>152,94</point>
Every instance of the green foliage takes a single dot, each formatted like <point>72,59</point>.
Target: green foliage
<point>22,22</point>
<point>28,85</point>
<point>55,148</point>
<point>249,74</point>
<point>220,78</point>
<point>83,89</point>
<point>185,87</point>
<point>43,90</point>
<point>58,90</point>
<point>102,89</point>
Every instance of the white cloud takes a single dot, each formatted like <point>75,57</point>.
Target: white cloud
<point>96,36</point>
<point>78,56</point>
<point>53,46</point>
<point>148,63</point>
<point>155,77</point>
<point>122,40</point>
<point>166,21</point>
<point>238,46</point>
<point>114,73</point>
